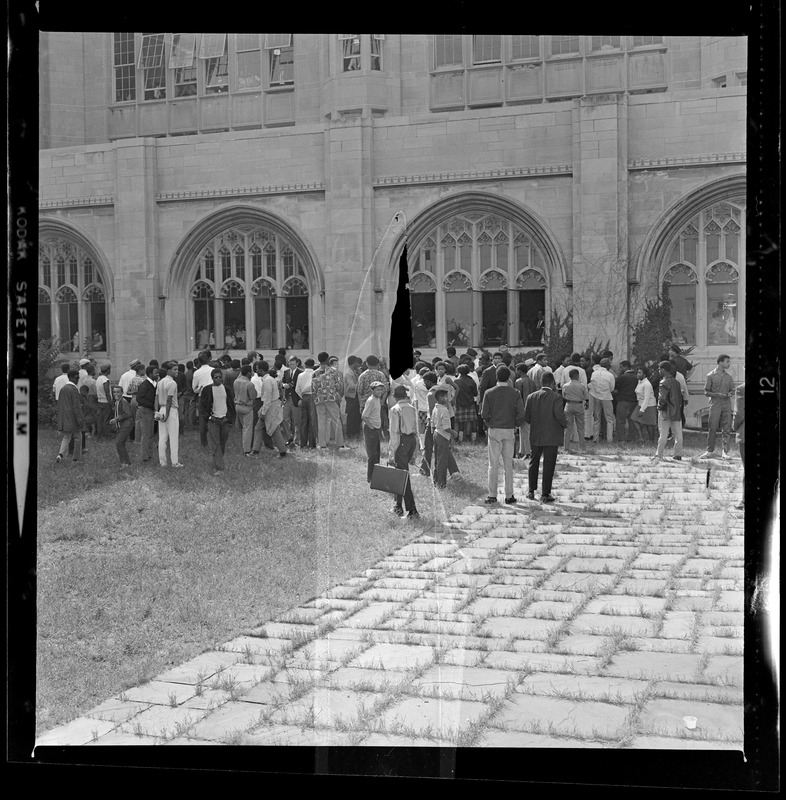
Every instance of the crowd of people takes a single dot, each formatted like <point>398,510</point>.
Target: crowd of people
<point>523,411</point>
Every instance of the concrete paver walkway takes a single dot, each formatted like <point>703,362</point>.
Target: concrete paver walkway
<point>600,621</point>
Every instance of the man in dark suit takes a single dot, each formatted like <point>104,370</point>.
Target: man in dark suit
<point>70,417</point>
<point>291,400</point>
<point>545,413</point>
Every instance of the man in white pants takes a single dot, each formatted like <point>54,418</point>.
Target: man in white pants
<point>169,426</point>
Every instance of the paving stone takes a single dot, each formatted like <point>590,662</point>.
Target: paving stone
<point>545,609</point>
<point>685,743</point>
<point>466,683</point>
<point>366,679</point>
<point>497,738</point>
<point>79,731</point>
<point>522,645</point>
<point>608,624</point>
<point>496,606</point>
<point>654,561</point>
<point>402,583</point>
<point>621,604</point>
<point>658,645</point>
<point>158,692</point>
<point>554,715</point>
<point>370,615</point>
<point>281,630</point>
<point>116,710</point>
<point>394,657</point>
<point>520,627</point>
<point>325,707</point>
<point>232,716</point>
<point>727,669</point>
<point>427,550</point>
<point>726,585</point>
<point>592,551</point>
<point>702,692</point>
<point>662,666</point>
<point>267,693</point>
<point>458,656</point>
<point>437,716</point>
<point>291,735</point>
<point>582,644</point>
<point>162,721</point>
<point>508,591</point>
<point>326,650</point>
<point>721,645</point>
<point>689,586</point>
<point>731,601</point>
<point>583,687</point>
<point>194,671</point>
<point>578,581</point>
<point>441,627</point>
<point>678,625</point>
<point>548,595</point>
<point>348,634</point>
<point>542,662</point>
<point>692,603</point>
<point>389,595</point>
<point>301,615</point>
<point>714,720</point>
<point>301,674</point>
<point>208,699</point>
<point>524,549</point>
<point>595,565</point>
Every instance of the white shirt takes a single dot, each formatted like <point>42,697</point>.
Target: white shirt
<point>421,393</point>
<point>201,378</point>
<point>304,382</point>
<point>100,381</point>
<point>256,380</point>
<point>269,392</point>
<point>602,383</point>
<point>60,382</point>
<point>125,380</point>
<point>644,394</point>
<point>683,385</point>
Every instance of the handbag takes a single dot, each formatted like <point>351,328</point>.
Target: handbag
<point>389,479</point>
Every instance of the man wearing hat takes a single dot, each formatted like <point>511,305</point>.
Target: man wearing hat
<point>600,388</point>
<point>83,362</point>
<point>403,442</point>
<point>126,377</point>
<point>126,380</point>
<point>371,417</point>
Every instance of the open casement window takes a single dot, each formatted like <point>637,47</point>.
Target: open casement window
<point>153,65</point>
<point>486,49</point>
<point>249,61</point>
<point>448,50</point>
<point>124,67</point>
<point>564,45</point>
<point>181,60</point>
<point>376,50</point>
<point>523,47</point>
<point>213,51</point>
<point>281,58</point>
<point>350,51</point>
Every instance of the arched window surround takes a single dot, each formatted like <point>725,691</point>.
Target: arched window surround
<point>59,238</point>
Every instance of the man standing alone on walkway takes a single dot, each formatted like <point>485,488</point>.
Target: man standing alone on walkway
<point>719,387</point>
<point>502,412</point>
<point>546,417</point>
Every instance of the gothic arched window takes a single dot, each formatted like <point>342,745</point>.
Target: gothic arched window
<point>258,290</point>
<point>72,300</point>
<point>704,269</point>
<point>479,296</point>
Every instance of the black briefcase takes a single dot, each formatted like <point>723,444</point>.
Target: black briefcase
<point>389,479</point>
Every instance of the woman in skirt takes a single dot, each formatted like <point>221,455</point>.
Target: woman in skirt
<point>644,417</point>
<point>466,419</point>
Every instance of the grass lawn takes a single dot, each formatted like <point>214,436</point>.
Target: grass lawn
<point>143,569</point>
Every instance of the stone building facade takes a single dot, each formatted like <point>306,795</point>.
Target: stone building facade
<point>256,191</point>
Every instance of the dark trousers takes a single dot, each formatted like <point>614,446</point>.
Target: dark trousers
<point>353,417</point>
<point>428,449</point>
<point>623,429</point>
<point>308,421</point>
<point>146,416</point>
<point>549,453</point>
<point>444,461</point>
<point>372,438</point>
<point>104,415</point>
<point>121,437</point>
<point>404,452</point>
<point>203,420</point>
<point>218,430</point>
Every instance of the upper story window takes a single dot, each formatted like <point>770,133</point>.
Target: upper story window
<point>124,67</point>
<point>376,50</point>
<point>643,41</point>
<point>563,45</point>
<point>281,58</point>
<point>522,47</point>
<point>486,49</point>
<point>448,51</point>
<point>249,61</point>
<point>350,51</point>
<point>181,60</point>
<point>605,43</point>
<point>213,51</point>
<point>153,65</point>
